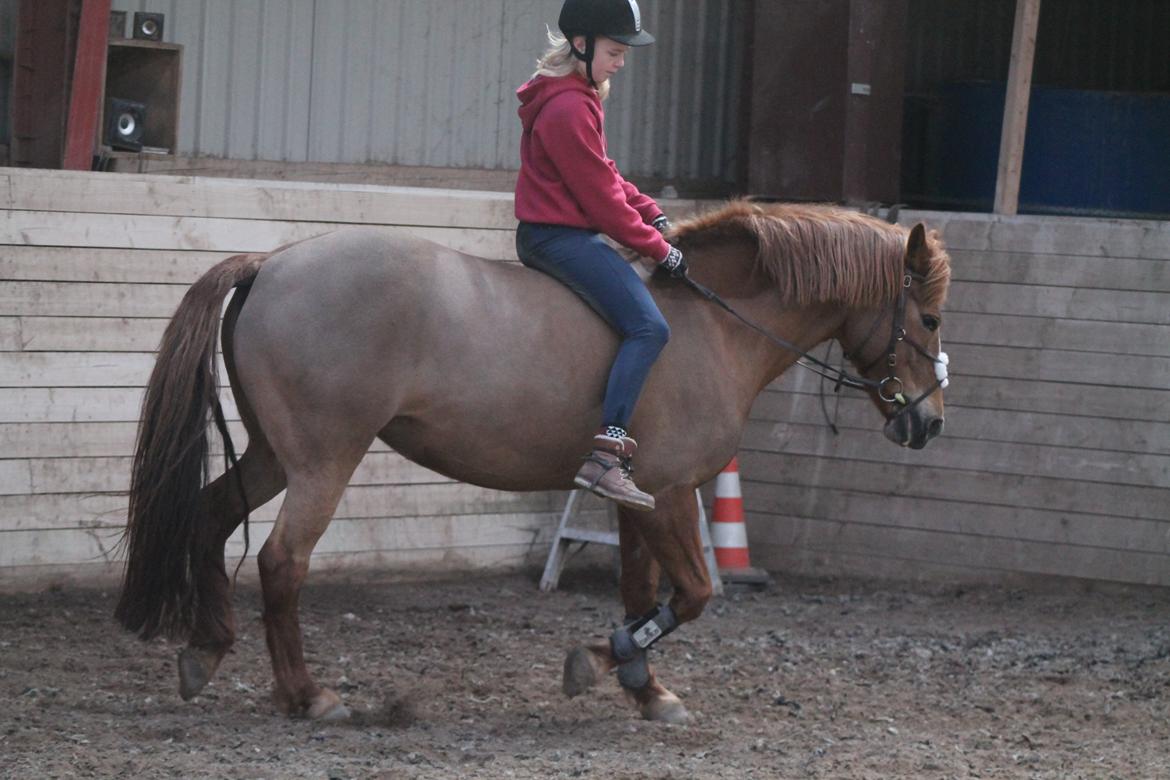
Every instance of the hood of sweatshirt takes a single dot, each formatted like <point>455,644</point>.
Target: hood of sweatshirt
<point>536,93</point>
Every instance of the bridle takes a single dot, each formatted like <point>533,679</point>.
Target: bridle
<point>890,387</point>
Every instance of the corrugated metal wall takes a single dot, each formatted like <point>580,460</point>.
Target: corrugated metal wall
<point>1091,46</point>
<point>410,82</point>
<point>1083,44</point>
<point>1104,44</point>
<point>7,50</point>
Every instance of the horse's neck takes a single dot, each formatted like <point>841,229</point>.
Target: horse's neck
<point>729,271</point>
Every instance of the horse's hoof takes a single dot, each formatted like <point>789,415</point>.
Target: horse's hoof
<point>196,666</point>
<point>339,712</point>
<point>581,672</point>
<point>667,708</point>
<point>327,705</point>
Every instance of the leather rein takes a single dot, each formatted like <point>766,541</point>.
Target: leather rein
<point>889,388</point>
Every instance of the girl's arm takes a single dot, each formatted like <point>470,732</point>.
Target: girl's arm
<point>572,141</point>
<point>640,202</point>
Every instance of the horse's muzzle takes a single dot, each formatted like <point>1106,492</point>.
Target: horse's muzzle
<point>914,428</point>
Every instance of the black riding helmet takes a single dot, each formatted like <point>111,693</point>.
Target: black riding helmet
<point>618,20</point>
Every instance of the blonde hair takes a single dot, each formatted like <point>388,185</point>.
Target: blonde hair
<point>558,61</point>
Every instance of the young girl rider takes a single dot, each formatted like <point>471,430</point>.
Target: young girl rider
<point>569,192</point>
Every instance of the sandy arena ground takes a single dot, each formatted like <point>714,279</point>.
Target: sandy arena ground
<point>810,679</point>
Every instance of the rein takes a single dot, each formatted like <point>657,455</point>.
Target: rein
<point>889,388</point>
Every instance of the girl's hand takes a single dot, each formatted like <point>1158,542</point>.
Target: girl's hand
<point>673,263</point>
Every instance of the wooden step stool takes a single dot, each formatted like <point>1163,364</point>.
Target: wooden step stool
<point>566,534</point>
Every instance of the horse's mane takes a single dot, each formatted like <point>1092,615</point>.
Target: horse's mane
<point>818,253</point>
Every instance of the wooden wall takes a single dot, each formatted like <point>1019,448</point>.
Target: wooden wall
<point>1055,460</point>
<point>1056,454</point>
<point>91,268</point>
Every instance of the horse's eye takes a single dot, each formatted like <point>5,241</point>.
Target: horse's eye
<point>930,321</point>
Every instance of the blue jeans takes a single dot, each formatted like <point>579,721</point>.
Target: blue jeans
<point>603,279</point>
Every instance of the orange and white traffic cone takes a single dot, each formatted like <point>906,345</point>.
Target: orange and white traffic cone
<point>728,532</point>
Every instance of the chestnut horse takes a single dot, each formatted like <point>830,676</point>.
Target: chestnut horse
<point>492,374</point>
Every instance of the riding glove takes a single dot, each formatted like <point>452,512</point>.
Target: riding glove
<point>662,224</point>
<point>673,263</point>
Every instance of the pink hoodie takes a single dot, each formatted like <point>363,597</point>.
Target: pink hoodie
<point>566,177</point>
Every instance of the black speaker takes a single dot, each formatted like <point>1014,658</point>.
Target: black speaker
<point>125,123</point>
<point>148,26</point>
<point>117,25</point>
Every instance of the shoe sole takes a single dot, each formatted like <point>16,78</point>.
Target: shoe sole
<point>617,499</point>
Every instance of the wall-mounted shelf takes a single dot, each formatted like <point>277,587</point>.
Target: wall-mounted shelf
<point>148,72</point>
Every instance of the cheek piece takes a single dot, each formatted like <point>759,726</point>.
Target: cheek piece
<point>630,642</point>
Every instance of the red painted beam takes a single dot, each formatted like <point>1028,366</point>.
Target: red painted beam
<point>89,72</point>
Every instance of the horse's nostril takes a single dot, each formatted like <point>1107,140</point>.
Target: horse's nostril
<point>935,427</point>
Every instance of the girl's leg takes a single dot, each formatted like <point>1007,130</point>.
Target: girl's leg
<point>607,283</point>
<point>602,278</point>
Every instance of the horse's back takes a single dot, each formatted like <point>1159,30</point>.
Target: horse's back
<point>348,261</point>
<point>388,332</point>
<point>368,284</point>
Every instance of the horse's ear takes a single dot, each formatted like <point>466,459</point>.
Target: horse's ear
<point>916,251</point>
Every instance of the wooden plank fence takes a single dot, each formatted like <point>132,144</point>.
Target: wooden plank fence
<point>1056,454</point>
<point>1056,457</point>
<point>93,266</point>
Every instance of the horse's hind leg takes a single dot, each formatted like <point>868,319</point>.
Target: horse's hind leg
<point>262,478</point>
<point>215,626</point>
<point>667,537</point>
<point>284,562</point>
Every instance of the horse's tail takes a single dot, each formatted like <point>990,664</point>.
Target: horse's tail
<point>166,538</point>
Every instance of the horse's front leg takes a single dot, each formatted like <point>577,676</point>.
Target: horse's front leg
<point>666,538</point>
<point>587,664</point>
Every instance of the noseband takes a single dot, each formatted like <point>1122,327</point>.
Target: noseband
<point>889,388</point>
